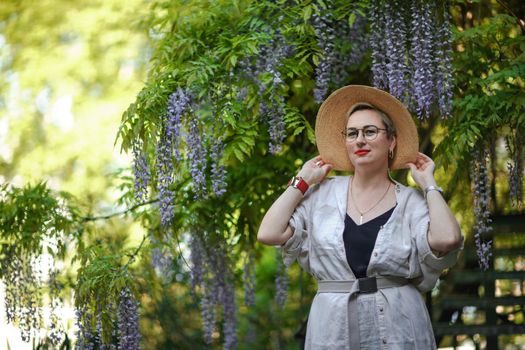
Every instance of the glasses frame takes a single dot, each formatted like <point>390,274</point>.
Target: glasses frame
<point>345,133</point>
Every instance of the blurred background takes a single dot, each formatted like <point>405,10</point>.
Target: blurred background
<point>68,72</point>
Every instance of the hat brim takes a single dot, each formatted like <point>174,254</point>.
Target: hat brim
<point>332,118</point>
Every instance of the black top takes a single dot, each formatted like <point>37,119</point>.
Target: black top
<point>360,241</point>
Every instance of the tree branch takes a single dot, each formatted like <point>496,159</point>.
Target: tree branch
<point>132,257</point>
<point>521,22</point>
<point>109,216</point>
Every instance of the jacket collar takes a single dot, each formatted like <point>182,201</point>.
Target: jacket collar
<point>341,192</point>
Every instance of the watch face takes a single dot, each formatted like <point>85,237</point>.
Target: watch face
<point>295,181</point>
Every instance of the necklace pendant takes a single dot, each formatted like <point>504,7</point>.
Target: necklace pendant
<point>361,220</point>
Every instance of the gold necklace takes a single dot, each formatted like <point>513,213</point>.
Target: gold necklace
<point>375,205</point>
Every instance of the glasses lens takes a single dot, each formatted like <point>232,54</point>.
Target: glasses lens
<point>370,132</point>
<point>351,134</point>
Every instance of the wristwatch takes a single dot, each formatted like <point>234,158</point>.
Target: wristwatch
<point>433,188</point>
<point>299,183</point>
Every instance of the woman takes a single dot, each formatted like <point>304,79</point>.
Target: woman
<point>371,243</point>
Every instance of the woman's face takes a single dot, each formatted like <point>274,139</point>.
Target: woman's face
<point>363,151</point>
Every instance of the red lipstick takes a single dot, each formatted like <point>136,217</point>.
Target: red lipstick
<point>361,152</point>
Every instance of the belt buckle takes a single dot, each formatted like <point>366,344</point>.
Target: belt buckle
<point>367,285</point>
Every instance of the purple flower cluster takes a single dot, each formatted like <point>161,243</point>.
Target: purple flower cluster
<point>128,321</point>
<point>275,112</point>
<point>224,291</point>
<point>276,125</point>
<point>197,255</point>
<point>168,153</point>
<point>324,24</point>
<point>85,339</point>
<point>359,43</point>
<point>30,315</point>
<point>22,299</point>
<point>514,147</point>
<point>281,280</point>
<point>248,279</point>
<point>411,54</point>
<point>208,314</point>
<point>252,72</point>
<point>162,262</point>
<point>89,340</point>
<point>13,279</point>
<point>196,151</point>
<point>332,38</point>
<point>395,36</point>
<point>218,172</point>
<point>168,150</point>
<point>178,103</point>
<point>443,64</point>
<point>377,37</point>
<point>422,57</point>
<point>481,197</point>
<point>216,266</point>
<point>271,106</point>
<point>99,338</point>
<point>229,316</point>
<point>217,282</point>
<point>140,172</point>
<point>211,273</point>
<point>166,200</point>
<point>56,332</point>
<point>199,271</point>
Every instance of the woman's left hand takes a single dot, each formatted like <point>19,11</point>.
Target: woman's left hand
<point>422,170</point>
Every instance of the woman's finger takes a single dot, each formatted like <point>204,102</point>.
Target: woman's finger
<point>425,156</point>
<point>412,166</point>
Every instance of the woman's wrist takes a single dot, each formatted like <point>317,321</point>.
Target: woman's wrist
<point>433,188</point>
<point>299,183</point>
<point>309,180</point>
<point>425,183</point>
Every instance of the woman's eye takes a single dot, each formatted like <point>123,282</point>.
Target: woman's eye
<point>352,134</point>
<point>370,132</point>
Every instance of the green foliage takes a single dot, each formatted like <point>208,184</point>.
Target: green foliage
<point>33,217</point>
<point>102,275</point>
<point>490,98</point>
<point>207,47</point>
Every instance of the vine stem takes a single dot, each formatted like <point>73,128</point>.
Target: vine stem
<point>109,216</point>
<point>181,255</point>
<point>132,257</point>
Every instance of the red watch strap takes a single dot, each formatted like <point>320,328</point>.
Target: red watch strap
<point>299,183</point>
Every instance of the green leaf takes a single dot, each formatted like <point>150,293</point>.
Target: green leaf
<point>351,19</point>
<point>307,13</point>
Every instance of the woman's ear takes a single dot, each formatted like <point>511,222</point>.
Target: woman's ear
<point>393,143</point>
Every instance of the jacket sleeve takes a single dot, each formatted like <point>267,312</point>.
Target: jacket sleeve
<point>297,246</point>
<point>431,265</point>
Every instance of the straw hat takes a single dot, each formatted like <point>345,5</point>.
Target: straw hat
<point>332,118</point>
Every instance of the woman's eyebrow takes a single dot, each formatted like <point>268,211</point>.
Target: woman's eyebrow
<point>352,127</point>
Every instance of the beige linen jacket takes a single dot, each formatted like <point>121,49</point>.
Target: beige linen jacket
<point>391,318</point>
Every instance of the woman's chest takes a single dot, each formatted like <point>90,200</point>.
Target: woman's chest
<point>392,246</point>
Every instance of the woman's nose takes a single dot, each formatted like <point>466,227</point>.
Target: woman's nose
<point>360,137</point>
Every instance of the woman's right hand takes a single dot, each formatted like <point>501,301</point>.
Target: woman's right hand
<point>314,170</point>
<point>275,229</point>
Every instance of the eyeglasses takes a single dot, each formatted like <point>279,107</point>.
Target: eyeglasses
<point>369,133</point>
